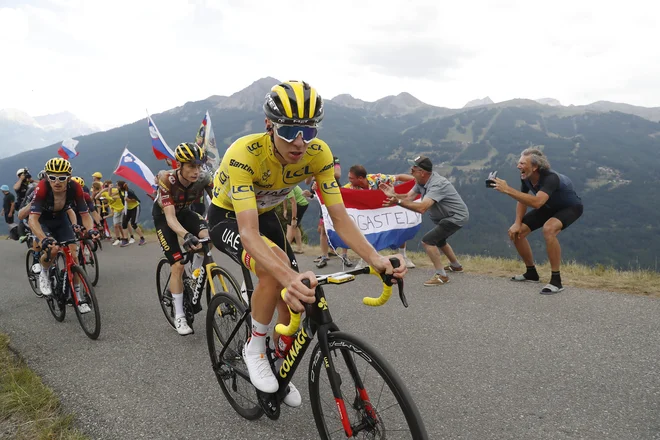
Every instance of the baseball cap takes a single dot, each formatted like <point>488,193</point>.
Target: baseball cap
<point>97,175</point>
<point>422,162</point>
<point>4,188</point>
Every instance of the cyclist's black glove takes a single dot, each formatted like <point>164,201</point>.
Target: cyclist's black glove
<point>190,241</point>
<point>77,228</point>
<point>47,242</point>
<point>93,233</point>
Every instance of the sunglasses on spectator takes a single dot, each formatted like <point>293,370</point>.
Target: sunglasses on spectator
<point>289,133</point>
<point>56,178</point>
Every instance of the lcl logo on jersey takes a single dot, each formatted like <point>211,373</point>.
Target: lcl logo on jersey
<point>314,149</point>
<point>242,192</point>
<point>330,187</point>
<point>292,177</point>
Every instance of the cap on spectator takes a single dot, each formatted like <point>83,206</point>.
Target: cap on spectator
<point>422,162</point>
<point>4,188</point>
<point>97,175</point>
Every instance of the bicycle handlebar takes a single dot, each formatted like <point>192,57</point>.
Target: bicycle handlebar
<point>344,277</point>
<point>189,254</point>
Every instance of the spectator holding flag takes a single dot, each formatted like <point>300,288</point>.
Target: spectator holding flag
<point>359,179</point>
<point>446,208</point>
<point>131,211</point>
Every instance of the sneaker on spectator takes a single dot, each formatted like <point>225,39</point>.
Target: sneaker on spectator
<point>322,262</point>
<point>124,243</point>
<point>437,280</point>
<point>409,263</point>
<point>116,242</point>
<point>317,259</point>
<point>450,268</point>
<point>346,261</point>
<point>131,241</point>
<point>142,242</point>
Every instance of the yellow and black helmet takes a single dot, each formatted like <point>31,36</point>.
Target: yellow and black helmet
<point>58,165</point>
<point>80,180</point>
<point>190,152</point>
<point>294,103</point>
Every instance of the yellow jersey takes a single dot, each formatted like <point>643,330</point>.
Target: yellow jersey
<point>251,177</point>
<point>113,199</point>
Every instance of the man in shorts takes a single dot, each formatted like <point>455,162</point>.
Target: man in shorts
<point>555,206</point>
<point>446,208</point>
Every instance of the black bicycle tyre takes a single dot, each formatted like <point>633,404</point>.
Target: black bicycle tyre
<point>56,301</point>
<point>343,341</point>
<point>32,278</point>
<point>94,260</point>
<point>168,310</point>
<point>91,301</point>
<point>217,301</point>
<point>233,283</point>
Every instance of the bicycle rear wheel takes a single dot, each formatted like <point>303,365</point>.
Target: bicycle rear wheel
<point>89,261</point>
<point>163,274</point>
<point>90,321</point>
<point>223,281</point>
<point>223,314</point>
<point>32,278</point>
<point>378,405</point>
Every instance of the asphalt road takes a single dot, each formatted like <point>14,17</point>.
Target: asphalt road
<point>484,358</point>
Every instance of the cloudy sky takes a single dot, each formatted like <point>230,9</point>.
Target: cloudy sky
<point>107,61</point>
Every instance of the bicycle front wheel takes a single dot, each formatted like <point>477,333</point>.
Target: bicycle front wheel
<point>223,314</point>
<point>32,278</point>
<point>90,321</point>
<point>57,300</point>
<point>89,261</point>
<point>223,281</point>
<point>377,403</point>
<point>163,274</point>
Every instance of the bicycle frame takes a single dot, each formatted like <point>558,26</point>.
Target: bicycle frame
<point>318,320</point>
<point>69,276</point>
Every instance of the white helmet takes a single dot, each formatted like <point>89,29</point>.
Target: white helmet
<point>20,171</point>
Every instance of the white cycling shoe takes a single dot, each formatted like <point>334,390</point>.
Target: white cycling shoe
<point>181,326</point>
<point>261,375</point>
<point>293,398</point>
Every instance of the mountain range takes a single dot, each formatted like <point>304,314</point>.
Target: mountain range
<point>609,150</point>
<point>21,132</point>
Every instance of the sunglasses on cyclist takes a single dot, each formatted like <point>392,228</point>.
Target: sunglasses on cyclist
<point>56,178</point>
<point>289,133</point>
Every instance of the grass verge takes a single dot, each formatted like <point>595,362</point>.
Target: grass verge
<point>639,282</point>
<point>28,408</point>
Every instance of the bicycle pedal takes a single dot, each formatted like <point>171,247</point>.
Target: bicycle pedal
<point>269,404</point>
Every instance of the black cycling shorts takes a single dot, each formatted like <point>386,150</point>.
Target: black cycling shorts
<point>536,218</point>
<point>224,235</point>
<point>131,215</point>
<point>59,227</point>
<point>169,241</point>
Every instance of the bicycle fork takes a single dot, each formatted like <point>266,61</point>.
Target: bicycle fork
<point>335,384</point>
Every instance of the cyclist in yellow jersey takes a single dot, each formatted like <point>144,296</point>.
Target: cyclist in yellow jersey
<point>256,174</point>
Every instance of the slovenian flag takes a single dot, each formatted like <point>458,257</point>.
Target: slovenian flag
<point>135,171</point>
<point>383,227</point>
<point>158,144</point>
<point>68,149</point>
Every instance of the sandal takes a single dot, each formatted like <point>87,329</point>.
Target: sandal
<point>550,289</point>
